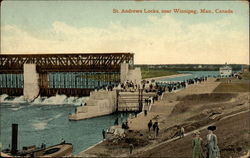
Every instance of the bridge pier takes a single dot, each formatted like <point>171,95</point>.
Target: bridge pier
<point>69,74</point>
<point>31,82</point>
<point>133,75</point>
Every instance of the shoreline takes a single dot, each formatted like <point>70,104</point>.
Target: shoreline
<point>160,108</point>
<point>84,152</point>
<point>170,76</point>
<point>92,146</point>
<point>153,146</point>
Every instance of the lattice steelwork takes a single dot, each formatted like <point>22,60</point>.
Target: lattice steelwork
<point>92,62</point>
<point>70,74</point>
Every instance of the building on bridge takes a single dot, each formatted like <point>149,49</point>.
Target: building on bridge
<point>69,74</point>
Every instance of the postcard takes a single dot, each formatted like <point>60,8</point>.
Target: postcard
<point>124,78</point>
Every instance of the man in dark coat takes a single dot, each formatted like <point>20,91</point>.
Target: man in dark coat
<point>103,133</point>
<point>155,125</point>
<point>150,125</point>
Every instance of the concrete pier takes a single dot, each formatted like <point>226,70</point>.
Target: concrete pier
<point>106,102</point>
<point>99,103</point>
<point>127,74</point>
<point>31,82</point>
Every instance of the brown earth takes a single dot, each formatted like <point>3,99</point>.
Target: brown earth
<point>233,140</point>
<point>192,108</point>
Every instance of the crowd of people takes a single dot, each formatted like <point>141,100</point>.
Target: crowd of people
<point>171,86</point>
<point>152,86</point>
<point>160,88</point>
<point>129,85</point>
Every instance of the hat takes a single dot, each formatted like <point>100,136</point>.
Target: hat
<point>211,128</point>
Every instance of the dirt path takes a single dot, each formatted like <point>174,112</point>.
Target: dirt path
<point>232,133</point>
<point>164,107</point>
<point>194,107</point>
<point>205,87</point>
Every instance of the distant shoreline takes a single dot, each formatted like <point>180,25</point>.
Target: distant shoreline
<point>170,76</point>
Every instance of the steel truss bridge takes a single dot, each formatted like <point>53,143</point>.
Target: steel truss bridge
<point>69,74</point>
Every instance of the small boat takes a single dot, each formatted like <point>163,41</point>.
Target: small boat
<point>58,150</point>
<point>62,149</point>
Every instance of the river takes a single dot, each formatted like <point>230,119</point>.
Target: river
<point>46,121</point>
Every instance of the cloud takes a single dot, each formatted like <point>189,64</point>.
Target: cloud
<point>163,40</point>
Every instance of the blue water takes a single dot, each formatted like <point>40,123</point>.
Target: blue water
<point>49,124</point>
<point>192,74</point>
<point>45,123</point>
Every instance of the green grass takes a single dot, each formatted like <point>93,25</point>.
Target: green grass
<point>235,85</point>
<point>150,73</point>
<point>232,87</point>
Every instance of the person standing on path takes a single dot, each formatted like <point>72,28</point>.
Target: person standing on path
<point>157,131</point>
<point>145,112</point>
<point>213,150</point>
<point>116,121</point>
<point>196,145</point>
<point>150,125</point>
<point>182,131</point>
<point>155,125</point>
<point>131,147</point>
<point>103,133</point>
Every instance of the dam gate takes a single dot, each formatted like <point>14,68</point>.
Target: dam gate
<point>69,74</point>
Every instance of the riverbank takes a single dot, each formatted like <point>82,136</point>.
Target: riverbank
<point>165,77</point>
<point>192,108</point>
<point>149,73</point>
<point>232,134</point>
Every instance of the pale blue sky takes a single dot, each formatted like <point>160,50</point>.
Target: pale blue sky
<point>53,21</point>
<point>41,14</point>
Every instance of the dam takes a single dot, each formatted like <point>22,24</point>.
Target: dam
<point>69,74</point>
<point>98,75</point>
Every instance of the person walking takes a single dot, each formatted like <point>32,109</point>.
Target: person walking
<point>196,145</point>
<point>157,131</point>
<point>213,150</point>
<point>150,125</point>
<point>116,121</point>
<point>155,125</point>
<point>182,131</point>
<point>131,147</point>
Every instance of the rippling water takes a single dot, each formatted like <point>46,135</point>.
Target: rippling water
<point>48,123</point>
<point>46,119</point>
<point>192,74</point>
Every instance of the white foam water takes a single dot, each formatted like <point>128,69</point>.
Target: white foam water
<point>19,100</point>
<point>60,99</point>
<point>54,100</point>
<point>3,97</point>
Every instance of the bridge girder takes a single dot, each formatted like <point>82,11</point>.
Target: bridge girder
<point>84,62</point>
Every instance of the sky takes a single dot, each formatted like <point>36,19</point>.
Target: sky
<point>29,27</point>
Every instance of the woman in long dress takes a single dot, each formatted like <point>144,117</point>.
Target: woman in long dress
<point>212,144</point>
<point>196,144</point>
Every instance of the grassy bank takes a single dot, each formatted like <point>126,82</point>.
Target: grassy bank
<point>150,73</point>
<point>229,85</point>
